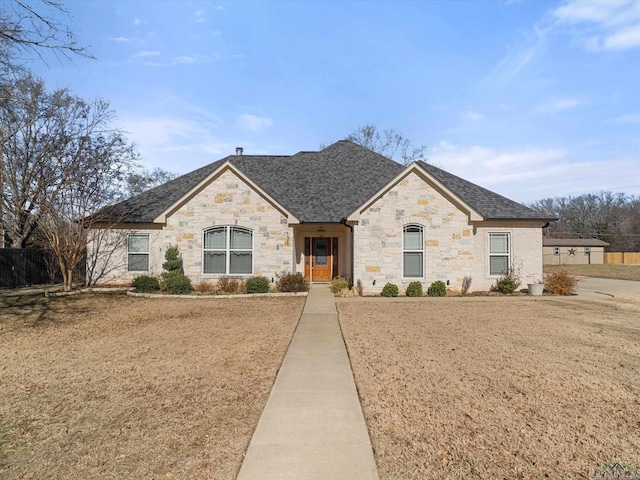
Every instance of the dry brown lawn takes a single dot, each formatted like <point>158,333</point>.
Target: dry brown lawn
<point>617,272</point>
<point>114,387</point>
<point>500,388</point>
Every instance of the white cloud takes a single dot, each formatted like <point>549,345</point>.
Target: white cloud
<point>137,21</point>
<point>252,123</point>
<point>186,60</point>
<point>602,25</point>
<point>121,39</point>
<point>628,118</point>
<point>146,53</point>
<point>560,104</point>
<point>473,116</point>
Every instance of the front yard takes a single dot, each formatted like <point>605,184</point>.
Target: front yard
<point>114,387</point>
<point>516,387</point>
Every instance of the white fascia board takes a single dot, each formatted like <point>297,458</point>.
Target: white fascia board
<point>162,218</point>
<point>474,216</point>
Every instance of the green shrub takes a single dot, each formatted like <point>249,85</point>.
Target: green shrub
<point>176,283</point>
<point>437,289</point>
<point>338,284</point>
<point>257,285</point>
<point>146,284</point>
<point>506,284</point>
<point>560,283</point>
<point>414,290</point>
<point>291,282</point>
<point>389,290</point>
<point>173,262</point>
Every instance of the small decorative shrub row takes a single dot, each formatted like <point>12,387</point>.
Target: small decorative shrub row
<point>414,289</point>
<point>560,283</point>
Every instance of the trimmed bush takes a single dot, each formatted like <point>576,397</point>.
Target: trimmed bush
<point>257,285</point>
<point>338,284</point>
<point>560,283</point>
<point>414,290</point>
<point>292,282</point>
<point>146,284</point>
<point>389,290</point>
<point>506,284</point>
<point>173,262</point>
<point>176,283</point>
<point>437,289</point>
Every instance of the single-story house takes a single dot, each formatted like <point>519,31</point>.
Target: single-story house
<point>344,210</point>
<point>573,251</point>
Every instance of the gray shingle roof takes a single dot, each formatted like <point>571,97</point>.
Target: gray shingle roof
<point>325,186</point>
<point>490,205</point>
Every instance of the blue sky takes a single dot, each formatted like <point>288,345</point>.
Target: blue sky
<point>531,99</point>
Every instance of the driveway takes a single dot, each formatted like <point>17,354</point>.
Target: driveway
<point>592,287</point>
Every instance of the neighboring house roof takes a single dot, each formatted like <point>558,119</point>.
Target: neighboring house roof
<point>573,242</point>
<point>322,187</point>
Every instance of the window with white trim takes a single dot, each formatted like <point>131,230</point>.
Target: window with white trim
<point>499,253</point>
<point>228,251</point>
<point>413,251</point>
<point>556,250</point>
<point>587,250</point>
<point>138,252</point>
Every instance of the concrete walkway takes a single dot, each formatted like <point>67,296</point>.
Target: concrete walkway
<point>312,426</point>
<point>598,288</point>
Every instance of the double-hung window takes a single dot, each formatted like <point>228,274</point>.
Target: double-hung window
<point>138,253</point>
<point>228,251</point>
<point>413,251</point>
<point>499,253</point>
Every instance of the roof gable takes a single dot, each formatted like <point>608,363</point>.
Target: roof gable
<point>323,187</point>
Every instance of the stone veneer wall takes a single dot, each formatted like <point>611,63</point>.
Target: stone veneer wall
<point>227,200</point>
<point>453,248</point>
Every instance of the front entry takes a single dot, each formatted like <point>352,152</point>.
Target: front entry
<point>321,258</point>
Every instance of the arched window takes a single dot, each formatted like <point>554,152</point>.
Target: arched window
<point>413,251</point>
<point>228,251</point>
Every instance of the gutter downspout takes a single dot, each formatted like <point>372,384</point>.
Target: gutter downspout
<point>350,227</point>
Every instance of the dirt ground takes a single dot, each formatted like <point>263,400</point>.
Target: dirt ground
<point>114,387</point>
<point>500,388</point>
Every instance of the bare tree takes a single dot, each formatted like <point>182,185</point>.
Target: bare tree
<point>75,216</point>
<point>143,179</point>
<point>611,217</point>
<point>31,27</point>
<point>51,138</point>
<point>389,143</point>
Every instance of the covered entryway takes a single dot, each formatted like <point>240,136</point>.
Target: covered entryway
<point>320,258</point>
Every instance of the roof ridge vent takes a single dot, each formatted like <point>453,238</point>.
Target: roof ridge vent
<point>239,151</point>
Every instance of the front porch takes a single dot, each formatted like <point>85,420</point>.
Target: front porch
<point>323,251</point>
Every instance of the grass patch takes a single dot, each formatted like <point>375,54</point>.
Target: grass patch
<point>616,272</point>
<point>119,387</point>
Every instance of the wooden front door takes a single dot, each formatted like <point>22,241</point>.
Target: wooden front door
<point>321,258</point>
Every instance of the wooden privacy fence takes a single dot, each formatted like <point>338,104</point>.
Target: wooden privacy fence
<point>621,257</point>
<point>23,267</point>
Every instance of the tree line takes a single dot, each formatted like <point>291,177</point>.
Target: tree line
<point>607,216</point>
<point>62,157</point>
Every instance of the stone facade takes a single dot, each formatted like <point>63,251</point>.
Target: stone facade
<point>227,200</point>
<point>453,247</point>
